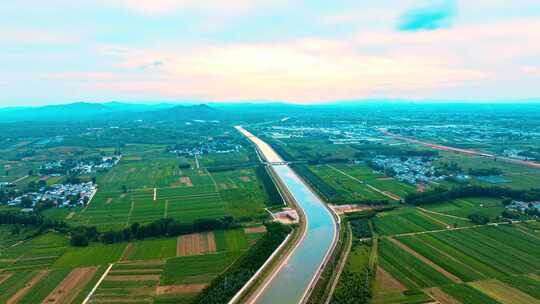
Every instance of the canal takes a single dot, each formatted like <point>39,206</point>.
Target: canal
<point>297,275</point>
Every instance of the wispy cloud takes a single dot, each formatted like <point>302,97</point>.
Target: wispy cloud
<point>430,16</point>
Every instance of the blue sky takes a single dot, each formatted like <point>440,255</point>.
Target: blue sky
<point>61,51</point>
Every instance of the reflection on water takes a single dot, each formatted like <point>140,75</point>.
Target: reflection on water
<point>291,281</point>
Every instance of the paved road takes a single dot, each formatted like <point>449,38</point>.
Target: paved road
<point>461,151</point>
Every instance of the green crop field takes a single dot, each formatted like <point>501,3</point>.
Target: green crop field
<point>464,207</point>
<point>410,271</point>
<point>517,176</point>
<point>46,284</point>
<point>187,196</point>
<point>231,240</point>
<point>92,255</point>
<point>405,220</point>
<point>467,294</point>
<point>37,253</point>
<point>153,249</point>
<point>196,269</point>
<point>13,283</point>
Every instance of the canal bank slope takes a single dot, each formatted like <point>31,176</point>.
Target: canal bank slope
<point>292,280</point>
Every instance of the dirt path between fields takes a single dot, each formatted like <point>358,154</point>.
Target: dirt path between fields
<point>342,263</point>
<point>443,214</point>
<point>180,289</point>
<point>387,282</point>
<point>21,292</point>
<point>71,286</point>
<point>126,252</point>
<point>385,193</point>
<point>425,214</point>
<point>427,261</point>
<point>4,276</point>
<point>440,296</point>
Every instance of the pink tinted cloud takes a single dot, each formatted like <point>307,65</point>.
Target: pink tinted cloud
<point>304,70</point>
<point>165,7</point>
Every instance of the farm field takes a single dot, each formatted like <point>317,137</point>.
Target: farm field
<point>405,220</point>
<point>182,194</point>
<point>464,207</point>
<point>515,176</point>
<point>469,265</point>
<point>152,270</point>
<point>348,180</point>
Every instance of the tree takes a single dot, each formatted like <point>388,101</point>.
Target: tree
<point>124,188</point>
<point>78,240</point>
<point>26,202</point>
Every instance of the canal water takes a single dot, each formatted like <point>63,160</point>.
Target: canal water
<point>292,281</point>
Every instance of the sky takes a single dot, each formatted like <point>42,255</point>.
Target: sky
<point>302,51</point>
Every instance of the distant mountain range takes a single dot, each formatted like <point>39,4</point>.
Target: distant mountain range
<point>119,111</point>
<point>82,111</point>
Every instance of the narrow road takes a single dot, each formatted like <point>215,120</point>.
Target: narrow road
<point>461,151</point>
<point>342,263</point>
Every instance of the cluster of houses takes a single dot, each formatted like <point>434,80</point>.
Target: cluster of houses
<point>60,167</point>
<point>521,207</point>
<point>412,170</point>
<point>107,162</point>
<point>61,195</point>
<point>207,148</point>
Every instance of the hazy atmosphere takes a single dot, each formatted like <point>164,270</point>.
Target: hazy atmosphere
<point>62,51</point>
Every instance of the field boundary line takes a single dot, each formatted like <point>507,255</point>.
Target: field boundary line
<point>458,228</point>
<point>442,214</point>
<point>385,193</point>
<point>97,284</point>
<point>442,252</point>
<point>90,200</point>
<point>426,261</point>
<point>19,179</point>
<point>130,212</point>
<point>426,215</point>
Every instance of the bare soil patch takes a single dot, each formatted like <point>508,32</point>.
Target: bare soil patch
<point>186,181</point>
<point>127,252</point>
<point>70,215</point>
<point>385,178</point>
<point>131,170</point>
<point>245,179</point>
<point>387,282</point>
<point>195,244</point>
<point>144,277</point>
<point>122,195</point>
<point>440,296</point>
<point>21,292</point>
<point>71,286</point>
<point>109,200</point>
<point>420,187</point>
<point>258,229</point>
<point>211,242</point>
<point>427,261</point>
<point>180,289</point>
